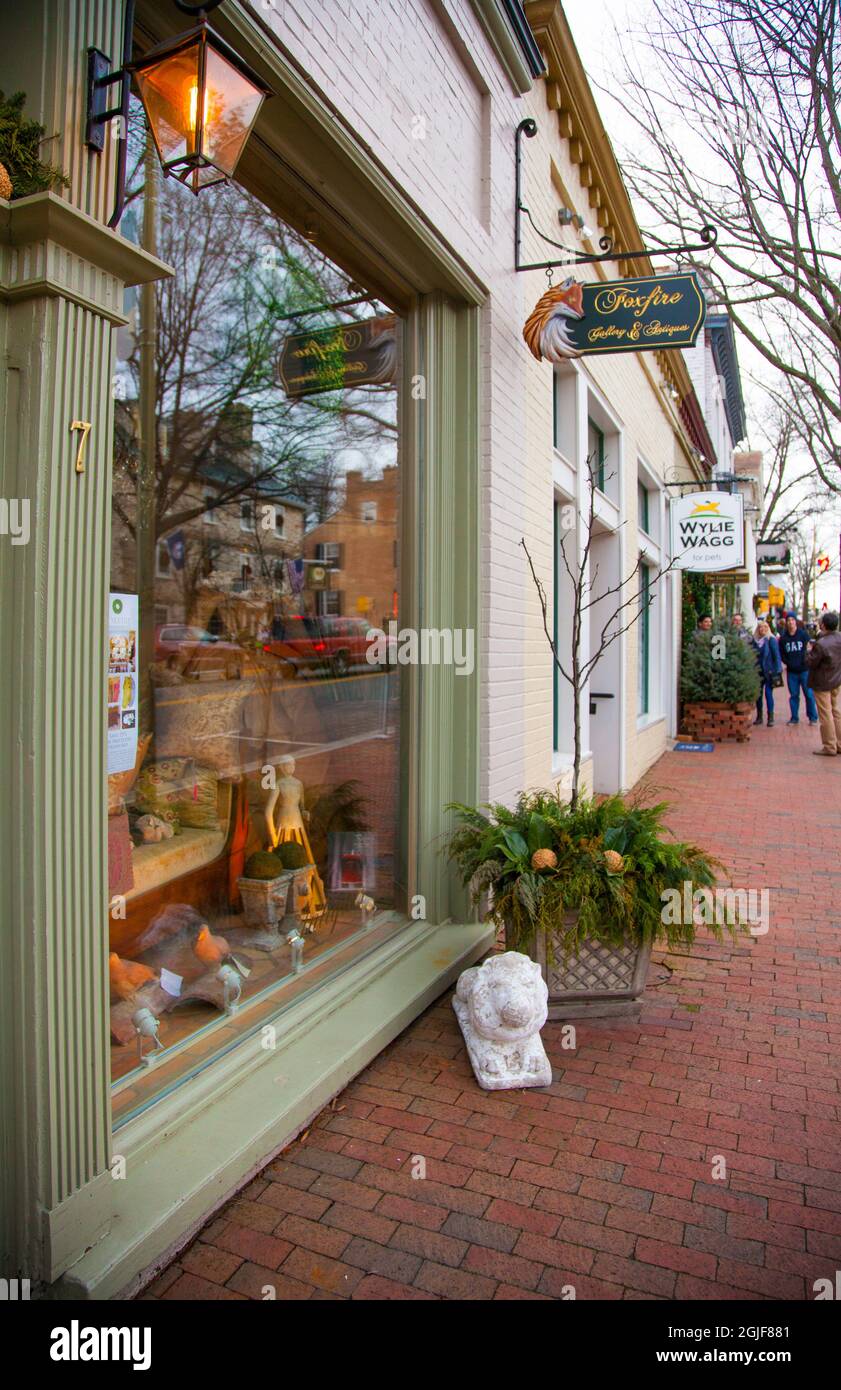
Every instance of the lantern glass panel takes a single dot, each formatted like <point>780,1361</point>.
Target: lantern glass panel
<point>231,105</point>
<point>168,90</point>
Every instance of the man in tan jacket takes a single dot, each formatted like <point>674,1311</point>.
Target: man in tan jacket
<point>823,659</point>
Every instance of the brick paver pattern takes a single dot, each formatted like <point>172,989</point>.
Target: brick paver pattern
<point>604,1181</point>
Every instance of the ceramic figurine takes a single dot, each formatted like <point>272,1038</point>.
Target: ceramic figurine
<point>501,1007</point>
<point>296,942</point>
<point>231,982</point>
<point>366,905</point>
<point>289,825</point>
<point>153,829</point>
<point>209,949</point>
<point>146,1025</point>
<point>127,976</point>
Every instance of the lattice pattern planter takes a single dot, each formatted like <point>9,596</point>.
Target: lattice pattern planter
<point>707,720</point>
<point>599,982</point>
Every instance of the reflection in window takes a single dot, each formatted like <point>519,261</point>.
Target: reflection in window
<point>254,823</point>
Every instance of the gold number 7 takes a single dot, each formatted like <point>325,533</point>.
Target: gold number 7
<point>85,427</point>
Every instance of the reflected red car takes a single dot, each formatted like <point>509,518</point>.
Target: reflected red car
<point>195,648</point>
<point>326,646</point>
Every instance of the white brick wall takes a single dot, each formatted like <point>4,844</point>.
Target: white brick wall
<point>387,65</point>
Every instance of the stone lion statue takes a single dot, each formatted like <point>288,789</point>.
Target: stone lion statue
<point>501,1007</point>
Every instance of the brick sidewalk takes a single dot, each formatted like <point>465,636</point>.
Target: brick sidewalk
<point>604,1179</point>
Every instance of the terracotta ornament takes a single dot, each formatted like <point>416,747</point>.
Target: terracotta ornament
<point>546,329</point>
<point>127,976</point>
<point>209,949</point>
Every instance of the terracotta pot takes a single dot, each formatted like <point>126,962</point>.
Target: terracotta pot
<point>706,720</point>
<point>601,981</point>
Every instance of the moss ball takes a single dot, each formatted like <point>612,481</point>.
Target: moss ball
<point>263,865</point>
<point>291,855</point>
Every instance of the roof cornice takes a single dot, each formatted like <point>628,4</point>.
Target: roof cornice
<point>569,94</point>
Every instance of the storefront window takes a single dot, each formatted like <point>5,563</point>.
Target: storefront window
<point>254,809</point>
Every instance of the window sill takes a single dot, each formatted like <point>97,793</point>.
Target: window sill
<point>647,721</point>
<point>246,1107</point>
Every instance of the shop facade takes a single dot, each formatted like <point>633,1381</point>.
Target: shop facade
<point>173,664</point>
<point>101,1177</point>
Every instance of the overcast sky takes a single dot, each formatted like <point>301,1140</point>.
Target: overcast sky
<point>594,24</point>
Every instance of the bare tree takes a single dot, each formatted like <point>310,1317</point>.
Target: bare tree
<point>621,615</point>
<point>790,495</point>
<point>738,123</point>
<point>804,555</point>
<point>224,426</point>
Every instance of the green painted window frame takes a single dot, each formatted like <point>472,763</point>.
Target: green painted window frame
<point>599,433</point>
<point>643,515</point>
<point>644,644</point>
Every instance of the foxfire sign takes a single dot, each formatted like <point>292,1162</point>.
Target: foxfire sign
<point>708,531</point>
<point>575,319</point>
<point>333,359</point>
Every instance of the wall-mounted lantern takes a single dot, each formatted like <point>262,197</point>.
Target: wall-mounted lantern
<point>200,98</point>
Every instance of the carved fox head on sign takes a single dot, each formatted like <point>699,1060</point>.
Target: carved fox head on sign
<point>546,329</point>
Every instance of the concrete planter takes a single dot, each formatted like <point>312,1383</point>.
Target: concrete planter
<point>602,981</point>
<point>706,720</point>
<point>264,899</point>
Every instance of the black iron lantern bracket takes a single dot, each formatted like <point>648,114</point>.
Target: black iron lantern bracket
<point>528,127</point>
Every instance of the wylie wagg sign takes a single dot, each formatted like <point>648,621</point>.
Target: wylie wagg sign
<point>708,531</point>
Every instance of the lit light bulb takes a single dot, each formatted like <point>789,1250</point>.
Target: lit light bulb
<point>192,108</point>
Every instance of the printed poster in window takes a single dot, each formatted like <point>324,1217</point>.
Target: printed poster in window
<point>122,681</point>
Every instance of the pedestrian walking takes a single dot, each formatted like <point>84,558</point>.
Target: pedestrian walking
<point>767,650</point>
<point>823,658</point>
<point>793,645</point>
<point>737,623</point>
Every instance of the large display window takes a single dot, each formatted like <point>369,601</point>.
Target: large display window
<point>253,726</point>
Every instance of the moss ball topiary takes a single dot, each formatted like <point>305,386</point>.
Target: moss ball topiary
<point>291,854</point>
<point>263,865</point>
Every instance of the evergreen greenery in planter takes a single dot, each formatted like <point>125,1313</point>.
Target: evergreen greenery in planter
<point>595,872</point>
<point>719,666</point>
<point>20,151</point>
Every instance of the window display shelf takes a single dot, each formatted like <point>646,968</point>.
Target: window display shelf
<point>190,1049</point>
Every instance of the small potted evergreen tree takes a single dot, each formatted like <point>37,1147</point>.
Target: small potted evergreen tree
<point>719,685</point>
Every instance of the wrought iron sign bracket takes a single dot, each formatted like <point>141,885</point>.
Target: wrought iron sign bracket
<point>528,127</point>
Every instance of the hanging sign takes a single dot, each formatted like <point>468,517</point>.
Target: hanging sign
<point>575,319</point>
<point>335,359</point>
<point>776,597</point>
<point>318,576</point>
<point>122,681</point>
<point>708,531</point>
<point>728,577</point>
